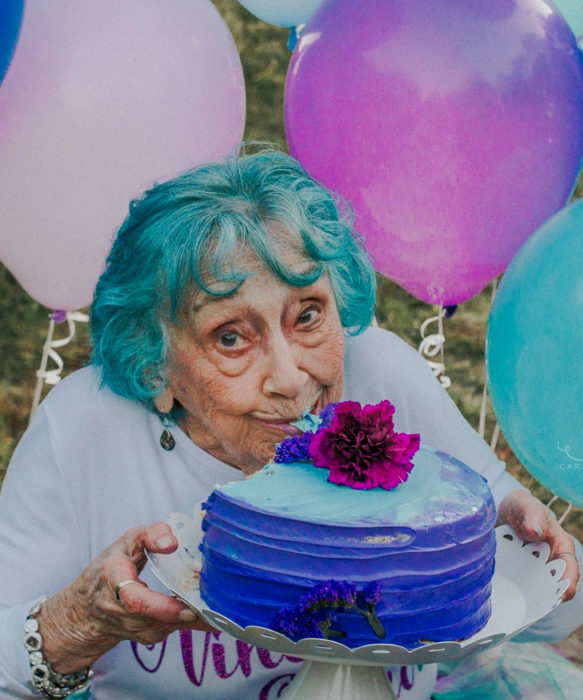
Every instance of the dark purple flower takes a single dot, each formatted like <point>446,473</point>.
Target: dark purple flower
<point>326,416</point>
<point>314,615</point>
<point>361,448</point>
<point>335,594</point>
<point>293,449</point>
<point>298,624</point>
<point>370,596</point>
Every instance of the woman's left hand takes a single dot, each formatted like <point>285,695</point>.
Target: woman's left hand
<point>533,521</point>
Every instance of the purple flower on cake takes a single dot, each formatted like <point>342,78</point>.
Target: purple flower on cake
<point>297,623</point>
<point>370,595</point>
<point>361,448</point>
<point>314,614</point>
<point>326,416</point>
<point>294,449</point>
<point>335,594</point>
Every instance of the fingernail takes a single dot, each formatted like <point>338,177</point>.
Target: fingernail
<point>187,615</point>
<point>536,528</point>
<point>164,541</point>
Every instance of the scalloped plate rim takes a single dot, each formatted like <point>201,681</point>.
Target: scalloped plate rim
<point>393,654</point>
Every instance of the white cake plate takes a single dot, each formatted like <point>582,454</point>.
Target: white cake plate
<point>334,671</point>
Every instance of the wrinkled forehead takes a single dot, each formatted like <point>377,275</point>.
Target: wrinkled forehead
<point>291,265</point>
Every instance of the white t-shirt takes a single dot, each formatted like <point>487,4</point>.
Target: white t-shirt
<point>90,467</point>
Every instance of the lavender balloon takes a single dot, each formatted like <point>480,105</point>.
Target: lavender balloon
<point>102,98</point>
<point>454,128</point>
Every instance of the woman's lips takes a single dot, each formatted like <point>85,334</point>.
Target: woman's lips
<point>287,426</point>
<point>283,426</point>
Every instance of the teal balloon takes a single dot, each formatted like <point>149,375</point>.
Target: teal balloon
<point>534,355</point>
<point>283,13</point>
<point>572,11</point>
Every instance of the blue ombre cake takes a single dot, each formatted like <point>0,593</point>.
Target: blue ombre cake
<point>429,544</point>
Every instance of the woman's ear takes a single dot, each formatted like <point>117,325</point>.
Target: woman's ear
<point>164,401</point>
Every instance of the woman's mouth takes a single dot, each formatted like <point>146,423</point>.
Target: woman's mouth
<point>285,426</point>
<point>316,408</point>
<point>288,426</point>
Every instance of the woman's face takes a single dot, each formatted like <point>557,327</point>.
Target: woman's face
<point>249,364</point>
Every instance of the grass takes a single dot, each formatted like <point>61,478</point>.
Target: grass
<point>23,327</point>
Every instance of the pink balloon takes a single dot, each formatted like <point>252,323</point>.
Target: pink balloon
<point>101,99</point>
<point>455,128</point>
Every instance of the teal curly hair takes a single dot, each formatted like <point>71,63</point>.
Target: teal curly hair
<point>197,227</point>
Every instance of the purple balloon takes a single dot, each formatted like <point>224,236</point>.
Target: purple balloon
<point>454,129</point>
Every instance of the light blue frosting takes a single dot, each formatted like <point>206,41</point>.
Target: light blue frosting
<point>301,491</point>
<point>307,422</point>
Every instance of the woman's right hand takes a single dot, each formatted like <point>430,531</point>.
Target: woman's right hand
<point>84,620</point>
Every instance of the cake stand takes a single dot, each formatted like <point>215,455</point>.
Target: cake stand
<point>333,671</point>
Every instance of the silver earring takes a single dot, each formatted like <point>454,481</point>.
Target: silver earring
<point>167,440</point>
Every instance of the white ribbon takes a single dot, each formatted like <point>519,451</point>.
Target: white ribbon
<point>484,402</point>
<point>53,376</point>
<point>432,346</point>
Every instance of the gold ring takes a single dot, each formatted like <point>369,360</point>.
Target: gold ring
<point>121,584</point>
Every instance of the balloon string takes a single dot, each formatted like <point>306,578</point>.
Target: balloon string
<point>53,376</point>
<point>566,513</point>
<point>495,436</point>
<point>432,346</point>
<point>43,365</point>
<point>484,402</point>
<point>482,423</point>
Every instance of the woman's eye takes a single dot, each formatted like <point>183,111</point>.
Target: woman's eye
<point>229,340</point>
<point>307,315</point>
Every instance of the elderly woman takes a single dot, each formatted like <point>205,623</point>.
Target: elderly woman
<point>236,297</point>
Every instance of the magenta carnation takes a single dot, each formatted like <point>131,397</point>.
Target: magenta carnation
<point>361,448</point>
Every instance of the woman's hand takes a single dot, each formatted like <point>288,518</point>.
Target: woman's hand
<point>533,521</point>
<point>84,620</point>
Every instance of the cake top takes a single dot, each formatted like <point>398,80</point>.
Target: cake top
<point>357,447</point>
<point>357,444</point>
<point>439,489</point>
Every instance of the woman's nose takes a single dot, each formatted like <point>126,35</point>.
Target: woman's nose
<point>284,375</point>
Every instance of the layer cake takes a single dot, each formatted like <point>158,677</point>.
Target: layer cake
<point>426,549</point>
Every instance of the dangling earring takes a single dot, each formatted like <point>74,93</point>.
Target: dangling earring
<point>167,440</point>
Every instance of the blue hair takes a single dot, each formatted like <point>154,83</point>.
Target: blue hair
<point>197,226</point>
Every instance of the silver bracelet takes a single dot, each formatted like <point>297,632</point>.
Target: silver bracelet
<point>48,682</point>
